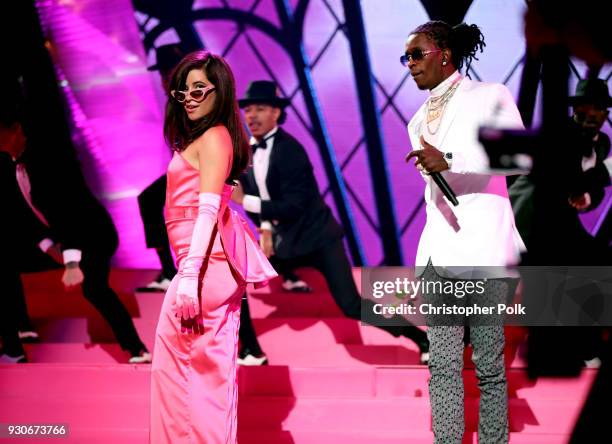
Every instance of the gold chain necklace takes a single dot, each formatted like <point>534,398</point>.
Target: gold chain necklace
<point>437,105</point>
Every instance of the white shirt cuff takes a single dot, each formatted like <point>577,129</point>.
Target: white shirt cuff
<point>252,204</point>
<point>45,244</point>
<point>608,164</point>
<point>71,255</point>
<point>265,225</point>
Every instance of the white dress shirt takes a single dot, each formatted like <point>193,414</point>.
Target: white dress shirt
<point>261,163</point>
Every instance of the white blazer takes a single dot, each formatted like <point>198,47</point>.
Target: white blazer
<point>480,231</point>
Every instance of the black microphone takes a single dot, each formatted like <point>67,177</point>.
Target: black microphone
<point>445,188</point>
<point>439,180</point>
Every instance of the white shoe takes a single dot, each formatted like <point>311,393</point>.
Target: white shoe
<point>6,359</point>
<point>142,358</point>
<point>161,285</point>
<point>593,363</point>
<point>298,286</point>
<point>251,360</point>
<point>424,358</point>
<point>28,336</point>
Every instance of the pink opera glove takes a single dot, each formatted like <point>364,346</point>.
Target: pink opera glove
<point>186,304</point>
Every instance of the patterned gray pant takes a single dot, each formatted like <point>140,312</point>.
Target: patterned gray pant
<point>446,383</point>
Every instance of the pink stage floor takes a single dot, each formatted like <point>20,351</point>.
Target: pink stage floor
<point>331,380</point>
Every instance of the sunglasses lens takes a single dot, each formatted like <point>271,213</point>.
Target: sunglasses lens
<point>415,55</point>
<point>197,94</point>
<point>179,96</point>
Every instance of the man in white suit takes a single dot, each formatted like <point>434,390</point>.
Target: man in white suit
<point>479,232</point>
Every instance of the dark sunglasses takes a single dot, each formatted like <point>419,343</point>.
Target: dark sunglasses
<point>198,94</point>
<point>416,55</point>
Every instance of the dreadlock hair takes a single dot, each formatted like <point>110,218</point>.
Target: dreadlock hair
<point>463,40</point>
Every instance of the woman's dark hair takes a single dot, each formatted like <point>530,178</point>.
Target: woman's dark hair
<point>463,40</point>
<point>179,131</point>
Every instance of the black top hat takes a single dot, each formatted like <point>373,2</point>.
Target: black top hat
<point>263,91</point>
<point>168,56</point>
<point>592,91</point>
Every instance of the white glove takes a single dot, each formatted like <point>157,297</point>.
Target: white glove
<point>187,304</point>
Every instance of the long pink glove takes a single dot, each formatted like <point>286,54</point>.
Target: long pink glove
<point>187,303</point>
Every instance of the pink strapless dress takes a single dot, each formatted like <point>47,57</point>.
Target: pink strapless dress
<point>193,377</point>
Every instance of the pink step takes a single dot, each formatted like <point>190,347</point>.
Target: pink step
<point>96,435</point>
<point>312,277</point>
<point>332,355</point>
<point>46,297</point>
<point>76,353</point>
<point>278,403</point>
<point>88,330</point>
<point>60,379</point>
<point>402,415</point>
<point>141,436</point>
<point>278,381</point>
<point>376,437</point>
<point>300,342</point>
<point>278,330</point>
<point>290,305</point>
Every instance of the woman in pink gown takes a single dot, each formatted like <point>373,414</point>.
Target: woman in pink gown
<point>193,380</point>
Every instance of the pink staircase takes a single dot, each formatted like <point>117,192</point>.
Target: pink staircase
<point>331,380</point>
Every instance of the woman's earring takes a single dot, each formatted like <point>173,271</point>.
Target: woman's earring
<point>443,62</point>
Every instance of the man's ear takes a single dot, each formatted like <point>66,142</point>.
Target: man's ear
<point>277,112</point>
<point>446,56</point>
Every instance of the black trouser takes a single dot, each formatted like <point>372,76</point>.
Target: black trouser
<point>284,269</point>
<point>332,262</point>
<point>247,335</point>
<point>95,265</point>
<point>151,204</point>
<point>18,257</point>
<point>12,308</point>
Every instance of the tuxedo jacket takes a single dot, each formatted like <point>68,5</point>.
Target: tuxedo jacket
<point>58,190</point>
<point>302,222</point>
<point>480,231</point>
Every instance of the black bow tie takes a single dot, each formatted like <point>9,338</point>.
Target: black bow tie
<point>259,145</point>
<point>262,144</point>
